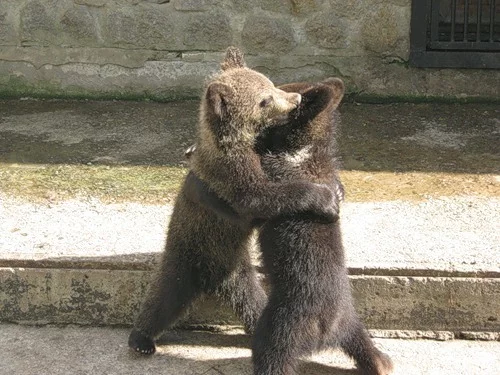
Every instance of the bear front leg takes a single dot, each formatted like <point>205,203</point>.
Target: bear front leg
<point>295,198</point>
<point>170,293</point>
<point>198,191</point>
<point>252,195</point>
<point>286,199</point>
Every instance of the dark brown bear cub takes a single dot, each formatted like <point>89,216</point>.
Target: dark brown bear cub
<point>208,254</point>
<point>310,305</point>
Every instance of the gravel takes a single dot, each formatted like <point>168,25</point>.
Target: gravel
<point>452,233</point>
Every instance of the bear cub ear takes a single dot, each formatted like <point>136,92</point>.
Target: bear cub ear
<point>338,88</point>
<point>217,97</point>
<point>234,59</point>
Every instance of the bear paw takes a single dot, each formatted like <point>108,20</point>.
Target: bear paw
<point>141,343</point>
<point>382,365</point>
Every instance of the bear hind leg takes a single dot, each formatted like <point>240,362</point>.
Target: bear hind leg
<point>281,338</point>
<point>358,345</point>
<point>244,293</point>
<point>170,293</point>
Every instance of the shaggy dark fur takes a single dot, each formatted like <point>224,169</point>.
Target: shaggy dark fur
<point>310,305</point>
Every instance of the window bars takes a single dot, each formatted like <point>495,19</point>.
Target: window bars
<point>455,33</point>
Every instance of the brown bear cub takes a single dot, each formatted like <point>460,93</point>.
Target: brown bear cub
<point>208,254</point>
<point>310,305</point>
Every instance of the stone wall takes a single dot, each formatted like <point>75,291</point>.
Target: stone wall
<point>166,48</point>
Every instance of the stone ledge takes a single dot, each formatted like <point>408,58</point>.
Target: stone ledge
<point>147,262</point>
<point>112,297</point>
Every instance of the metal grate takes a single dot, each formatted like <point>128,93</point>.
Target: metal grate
<point>455,33</point>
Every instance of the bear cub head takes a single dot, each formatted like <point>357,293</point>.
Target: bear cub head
<point>239,102</point>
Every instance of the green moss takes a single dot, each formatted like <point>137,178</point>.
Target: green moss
<point>15,88</point>
<point>110,184</point>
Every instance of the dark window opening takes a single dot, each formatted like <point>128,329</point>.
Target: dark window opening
<point>455,33</point>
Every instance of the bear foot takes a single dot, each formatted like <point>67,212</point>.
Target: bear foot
<point>382,366</point>
<point>141,343</point>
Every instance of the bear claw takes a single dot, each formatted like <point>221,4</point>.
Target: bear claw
<point>141,343</point>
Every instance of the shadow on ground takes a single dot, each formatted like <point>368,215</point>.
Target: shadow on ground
<point>234,365</point>
<point>399,137</point>
<point>81,350</point>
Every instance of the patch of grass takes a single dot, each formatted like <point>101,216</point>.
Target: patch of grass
<point>362,186</point>
<point>160,185</point>
<point>109,184</point>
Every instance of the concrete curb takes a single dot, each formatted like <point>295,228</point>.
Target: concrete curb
<point>112,297</point>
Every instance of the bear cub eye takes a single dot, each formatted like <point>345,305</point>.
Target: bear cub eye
<point>265,102</point>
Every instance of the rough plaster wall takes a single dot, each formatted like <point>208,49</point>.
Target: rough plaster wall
<point>165,49</point>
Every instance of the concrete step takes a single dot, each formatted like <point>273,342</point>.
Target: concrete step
<point>97,351</point>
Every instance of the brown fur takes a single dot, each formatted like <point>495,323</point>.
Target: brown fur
<point>310,305</point>
<point>208,254</point>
